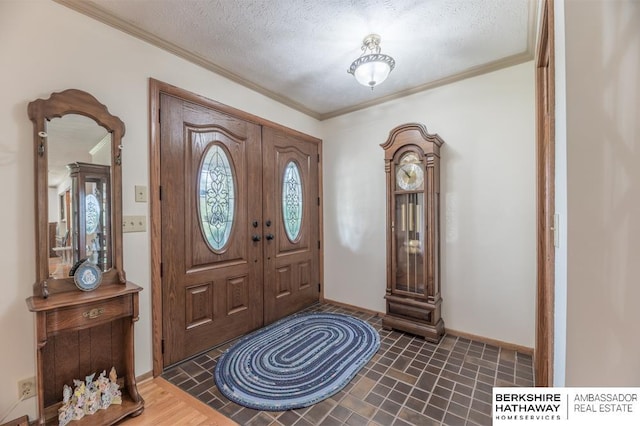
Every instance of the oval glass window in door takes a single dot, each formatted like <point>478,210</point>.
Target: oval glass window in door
<point>92,213</point>
<point>292,201</point>
<point>216,196</point>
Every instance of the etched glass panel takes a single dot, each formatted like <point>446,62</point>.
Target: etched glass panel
<point>216,197</point>
<point>92,213</point>
<point>292,200</point>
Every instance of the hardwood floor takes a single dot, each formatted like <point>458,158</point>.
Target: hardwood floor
<point>167,405</point>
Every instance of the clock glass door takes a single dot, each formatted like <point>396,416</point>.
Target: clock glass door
<point>409,237</point>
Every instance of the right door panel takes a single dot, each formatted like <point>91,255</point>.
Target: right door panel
<point>291,218</point>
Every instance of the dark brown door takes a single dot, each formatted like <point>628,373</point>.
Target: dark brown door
<point>291,210</point>
<point>212,269</point>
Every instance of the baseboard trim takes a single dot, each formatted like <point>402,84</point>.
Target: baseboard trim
<point>354,307</point>
<point>144,377</point>
<point>505,345</point>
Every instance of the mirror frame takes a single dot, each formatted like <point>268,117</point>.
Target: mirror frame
<point>73,101</point>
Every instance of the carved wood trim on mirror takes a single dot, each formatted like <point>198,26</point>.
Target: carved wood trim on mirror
<point>41,112</point>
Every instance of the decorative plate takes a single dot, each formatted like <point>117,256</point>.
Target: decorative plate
<point>92,215</point>
<point>87,277</point>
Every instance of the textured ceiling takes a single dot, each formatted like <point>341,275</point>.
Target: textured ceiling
<point>298,51</point>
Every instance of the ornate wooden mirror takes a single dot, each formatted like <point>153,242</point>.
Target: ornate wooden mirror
<point>78,177</point>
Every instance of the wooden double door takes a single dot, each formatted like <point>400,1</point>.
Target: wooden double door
<point>240,225</point>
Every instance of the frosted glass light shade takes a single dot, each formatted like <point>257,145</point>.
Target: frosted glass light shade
<point>372,73</point>
<point>372,67</point>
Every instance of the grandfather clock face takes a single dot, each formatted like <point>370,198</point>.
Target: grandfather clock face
<point>409,173</point>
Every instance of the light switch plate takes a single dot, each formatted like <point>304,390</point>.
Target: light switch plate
<point>141,193</point>
<point>134,223</point>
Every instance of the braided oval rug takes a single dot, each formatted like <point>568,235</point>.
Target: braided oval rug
<point>295,362</point>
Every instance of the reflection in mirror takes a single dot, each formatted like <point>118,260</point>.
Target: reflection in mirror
<point>78,181</point>
<point>79,177</point>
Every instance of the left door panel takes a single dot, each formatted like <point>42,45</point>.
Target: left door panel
<point>211,210</point>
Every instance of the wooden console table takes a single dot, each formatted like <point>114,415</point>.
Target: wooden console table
<point>78,334</point>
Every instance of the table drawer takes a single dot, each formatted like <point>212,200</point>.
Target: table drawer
<point>89,315</point>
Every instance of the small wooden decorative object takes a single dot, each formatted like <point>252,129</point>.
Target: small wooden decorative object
<point>412,166</point>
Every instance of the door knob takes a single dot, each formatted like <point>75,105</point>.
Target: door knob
<point>255,238</point>
<point>269,237</point>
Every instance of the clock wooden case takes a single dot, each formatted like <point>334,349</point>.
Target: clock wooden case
<point>412,166</point>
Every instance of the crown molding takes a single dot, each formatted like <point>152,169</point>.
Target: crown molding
<point>92,10</point>
<point>471,72</point>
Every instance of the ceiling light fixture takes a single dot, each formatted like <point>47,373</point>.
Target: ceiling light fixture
<point>372,67</point>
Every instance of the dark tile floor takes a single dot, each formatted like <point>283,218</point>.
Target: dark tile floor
<point>408,382</point>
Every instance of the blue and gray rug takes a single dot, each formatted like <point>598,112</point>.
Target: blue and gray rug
<point>295,362</point>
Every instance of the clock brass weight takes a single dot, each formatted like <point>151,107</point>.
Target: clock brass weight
<point>412,166</point>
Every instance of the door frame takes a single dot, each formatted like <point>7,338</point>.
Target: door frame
<point>156,88</point>
<point>545,197</point>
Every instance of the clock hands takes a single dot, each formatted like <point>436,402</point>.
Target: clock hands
<point>409,176</point>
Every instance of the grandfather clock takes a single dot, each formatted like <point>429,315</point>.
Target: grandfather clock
<point>412,166</point>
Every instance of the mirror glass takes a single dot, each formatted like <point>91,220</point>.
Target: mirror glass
<point>79,193</point>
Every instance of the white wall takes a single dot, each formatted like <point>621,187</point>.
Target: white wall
<point>45,48</point>
<point>53,204</point>
<point>603,183</point>
<point>488,201</point>
<point>560,272</point>
<point>101,152</point>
